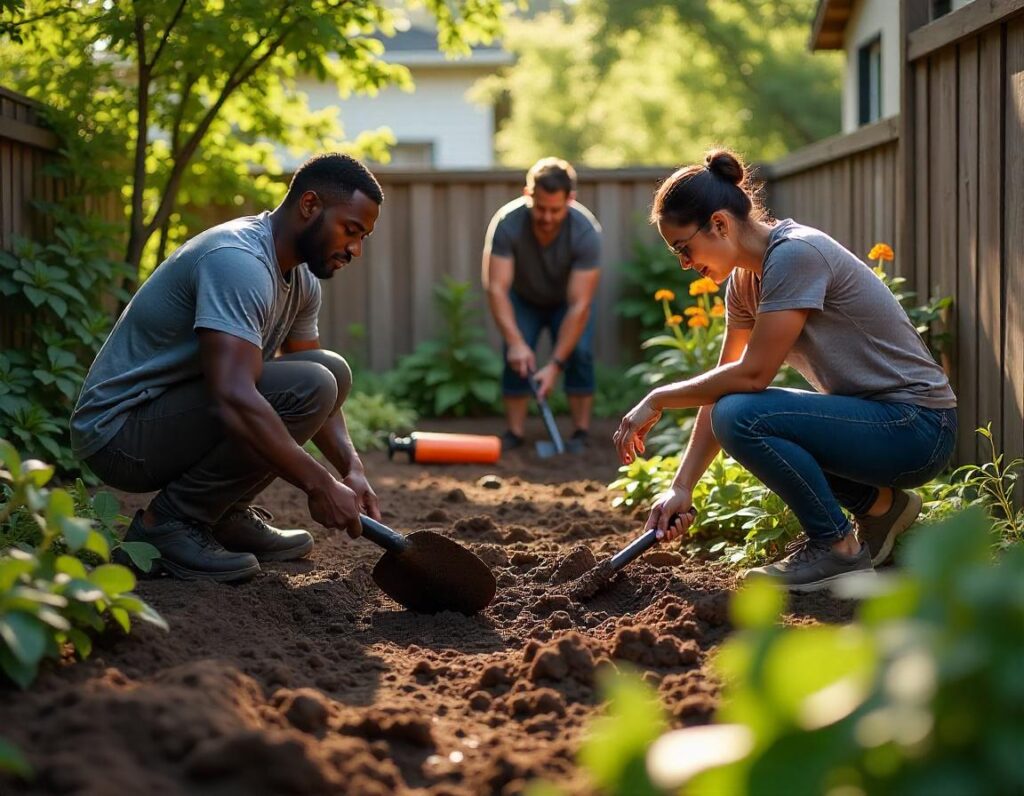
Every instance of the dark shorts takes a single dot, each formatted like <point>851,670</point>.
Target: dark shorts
<point>532,320</point>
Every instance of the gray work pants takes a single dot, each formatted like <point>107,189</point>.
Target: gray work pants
<point>178,444</point>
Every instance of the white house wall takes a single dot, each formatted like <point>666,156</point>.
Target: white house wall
<point>438,111</point>
<point>869,19</point>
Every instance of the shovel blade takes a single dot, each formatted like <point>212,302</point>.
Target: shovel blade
<point>545,449</point>
<point>435,574</point>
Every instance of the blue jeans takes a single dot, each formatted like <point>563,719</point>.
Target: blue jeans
<point>822,453</point>
<point>532,320</point>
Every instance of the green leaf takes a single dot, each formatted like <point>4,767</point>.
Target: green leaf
<point>76,531</point>
<point>106,507</point>
<point>114,579</point>
<point>9,456</point>
<point>71,566</point>
<point>758,604</point>
<point>21,673</point>
<point>81,642</point>
<point>96,542</point>
<point>24,635</point>
<point>142,554</point>
<point>122,618</point>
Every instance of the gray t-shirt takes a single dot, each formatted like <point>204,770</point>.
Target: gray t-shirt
<point>858,340</point>
<point>226,279</point>
<point>542,272</point>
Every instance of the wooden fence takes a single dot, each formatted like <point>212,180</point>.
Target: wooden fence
<point>27,149</point>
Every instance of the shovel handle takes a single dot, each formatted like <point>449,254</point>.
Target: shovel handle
<point>642,544</point>
<point>549,419</point>
<point>382,535</point>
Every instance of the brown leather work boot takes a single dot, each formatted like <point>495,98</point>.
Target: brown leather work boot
<point>247,530</point>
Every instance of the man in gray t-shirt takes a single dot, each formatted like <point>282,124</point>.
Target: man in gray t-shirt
<point>189,396</point>
<point>541,269</point>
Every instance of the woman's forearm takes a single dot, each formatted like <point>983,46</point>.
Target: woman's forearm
<point>706,388</point>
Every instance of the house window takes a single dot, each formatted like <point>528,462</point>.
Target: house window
<point>941,8</point>
<point>869,77</point>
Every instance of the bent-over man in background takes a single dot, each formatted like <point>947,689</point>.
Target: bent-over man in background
<point>540,270</point>
<point>189,397</point>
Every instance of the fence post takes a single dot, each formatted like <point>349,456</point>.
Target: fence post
<point>913,15</point>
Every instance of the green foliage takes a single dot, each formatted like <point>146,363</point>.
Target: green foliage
<point>921,695</point>
<point>62,287</point>
<point>12,760</point>
<point>613,753</point>
<point>651,267</point>
<point>49,594</point>
<point>212,88</point>
<point>457,373</point>
<point>617,391</point>
<point>711,71</point>
<point>370,417</point>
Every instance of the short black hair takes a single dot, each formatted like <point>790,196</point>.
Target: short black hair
<point>335,177</point>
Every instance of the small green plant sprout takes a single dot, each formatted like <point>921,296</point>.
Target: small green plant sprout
<point>50,593</point>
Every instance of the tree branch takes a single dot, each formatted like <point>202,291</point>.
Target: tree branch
<point>167,33</point>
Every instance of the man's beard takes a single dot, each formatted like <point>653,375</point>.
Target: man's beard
<point>310,247</point>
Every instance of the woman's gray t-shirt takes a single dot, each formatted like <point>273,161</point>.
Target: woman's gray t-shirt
<point>857,340</point>
<point>226,279</point>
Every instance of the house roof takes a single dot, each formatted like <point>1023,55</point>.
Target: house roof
<point>418,46</point>
<point>829,26</point>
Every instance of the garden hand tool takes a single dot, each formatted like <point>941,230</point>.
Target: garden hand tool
<point>427,572</point>
<point>427,447</point>
<point>590,583</point>
<point>545,448</point>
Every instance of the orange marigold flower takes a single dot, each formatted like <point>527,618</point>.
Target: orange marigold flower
<point>698,320</point>
<point>674,320</point>
<point>718,310</point>
<point>695,310</point>
<point>664,295</point>
<point>702,286</point>
<point>881,251</point>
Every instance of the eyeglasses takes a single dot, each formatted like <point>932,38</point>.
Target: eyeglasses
<point>684,250</point>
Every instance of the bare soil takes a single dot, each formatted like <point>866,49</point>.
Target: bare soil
<point>308,680</point>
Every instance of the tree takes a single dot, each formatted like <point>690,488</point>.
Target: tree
<point>614,82</point>
<point>180,100</point>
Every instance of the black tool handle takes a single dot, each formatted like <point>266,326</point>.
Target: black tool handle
<point>642,544</point>
<point>382,535</point>
<point>549,419</point>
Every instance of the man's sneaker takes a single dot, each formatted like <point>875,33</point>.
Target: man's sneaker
<point>879,534</point>
<point>189,551</point>
<point>812,565</point>
<point>510,441</point>
<point>580,439</point>
<point>247,530</point>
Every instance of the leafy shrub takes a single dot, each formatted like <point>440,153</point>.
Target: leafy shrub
<point>65,287</point>
<point>921,695</point>
<point>370,417</point>
<point>651,267</point>
<point>456,374</point>
<point>49,593</point>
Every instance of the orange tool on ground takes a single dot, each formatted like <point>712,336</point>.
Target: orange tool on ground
<point>429,447</point>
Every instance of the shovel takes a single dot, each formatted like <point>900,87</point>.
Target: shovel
<point>590,583</point>
<point>556,445</point>
<point>427,572</point>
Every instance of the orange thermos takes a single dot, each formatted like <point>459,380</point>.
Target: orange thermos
<point>427,447</point>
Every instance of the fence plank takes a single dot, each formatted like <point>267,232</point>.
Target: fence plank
<point>1013,250</point>
<point>990,232</point>
<point>966,307</point>
<point>922,259</point>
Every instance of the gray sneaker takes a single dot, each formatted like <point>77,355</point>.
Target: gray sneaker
<point>812,565</point>
<point>879,533</point>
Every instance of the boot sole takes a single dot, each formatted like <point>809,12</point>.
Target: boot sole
<point>184,573</point>
<point>289,554</point>
<point>903,522</point>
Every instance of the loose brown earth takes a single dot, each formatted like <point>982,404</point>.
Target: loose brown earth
<point>308,680</point>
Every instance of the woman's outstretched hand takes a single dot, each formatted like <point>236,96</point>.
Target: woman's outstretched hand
<point>678,500</point>
<point>629,438</point>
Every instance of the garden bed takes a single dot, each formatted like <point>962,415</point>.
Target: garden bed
<point>308,680</point>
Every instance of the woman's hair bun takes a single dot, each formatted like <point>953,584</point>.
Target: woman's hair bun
<point>723,163</point>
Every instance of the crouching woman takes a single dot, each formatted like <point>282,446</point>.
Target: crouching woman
<point>882,418</point>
